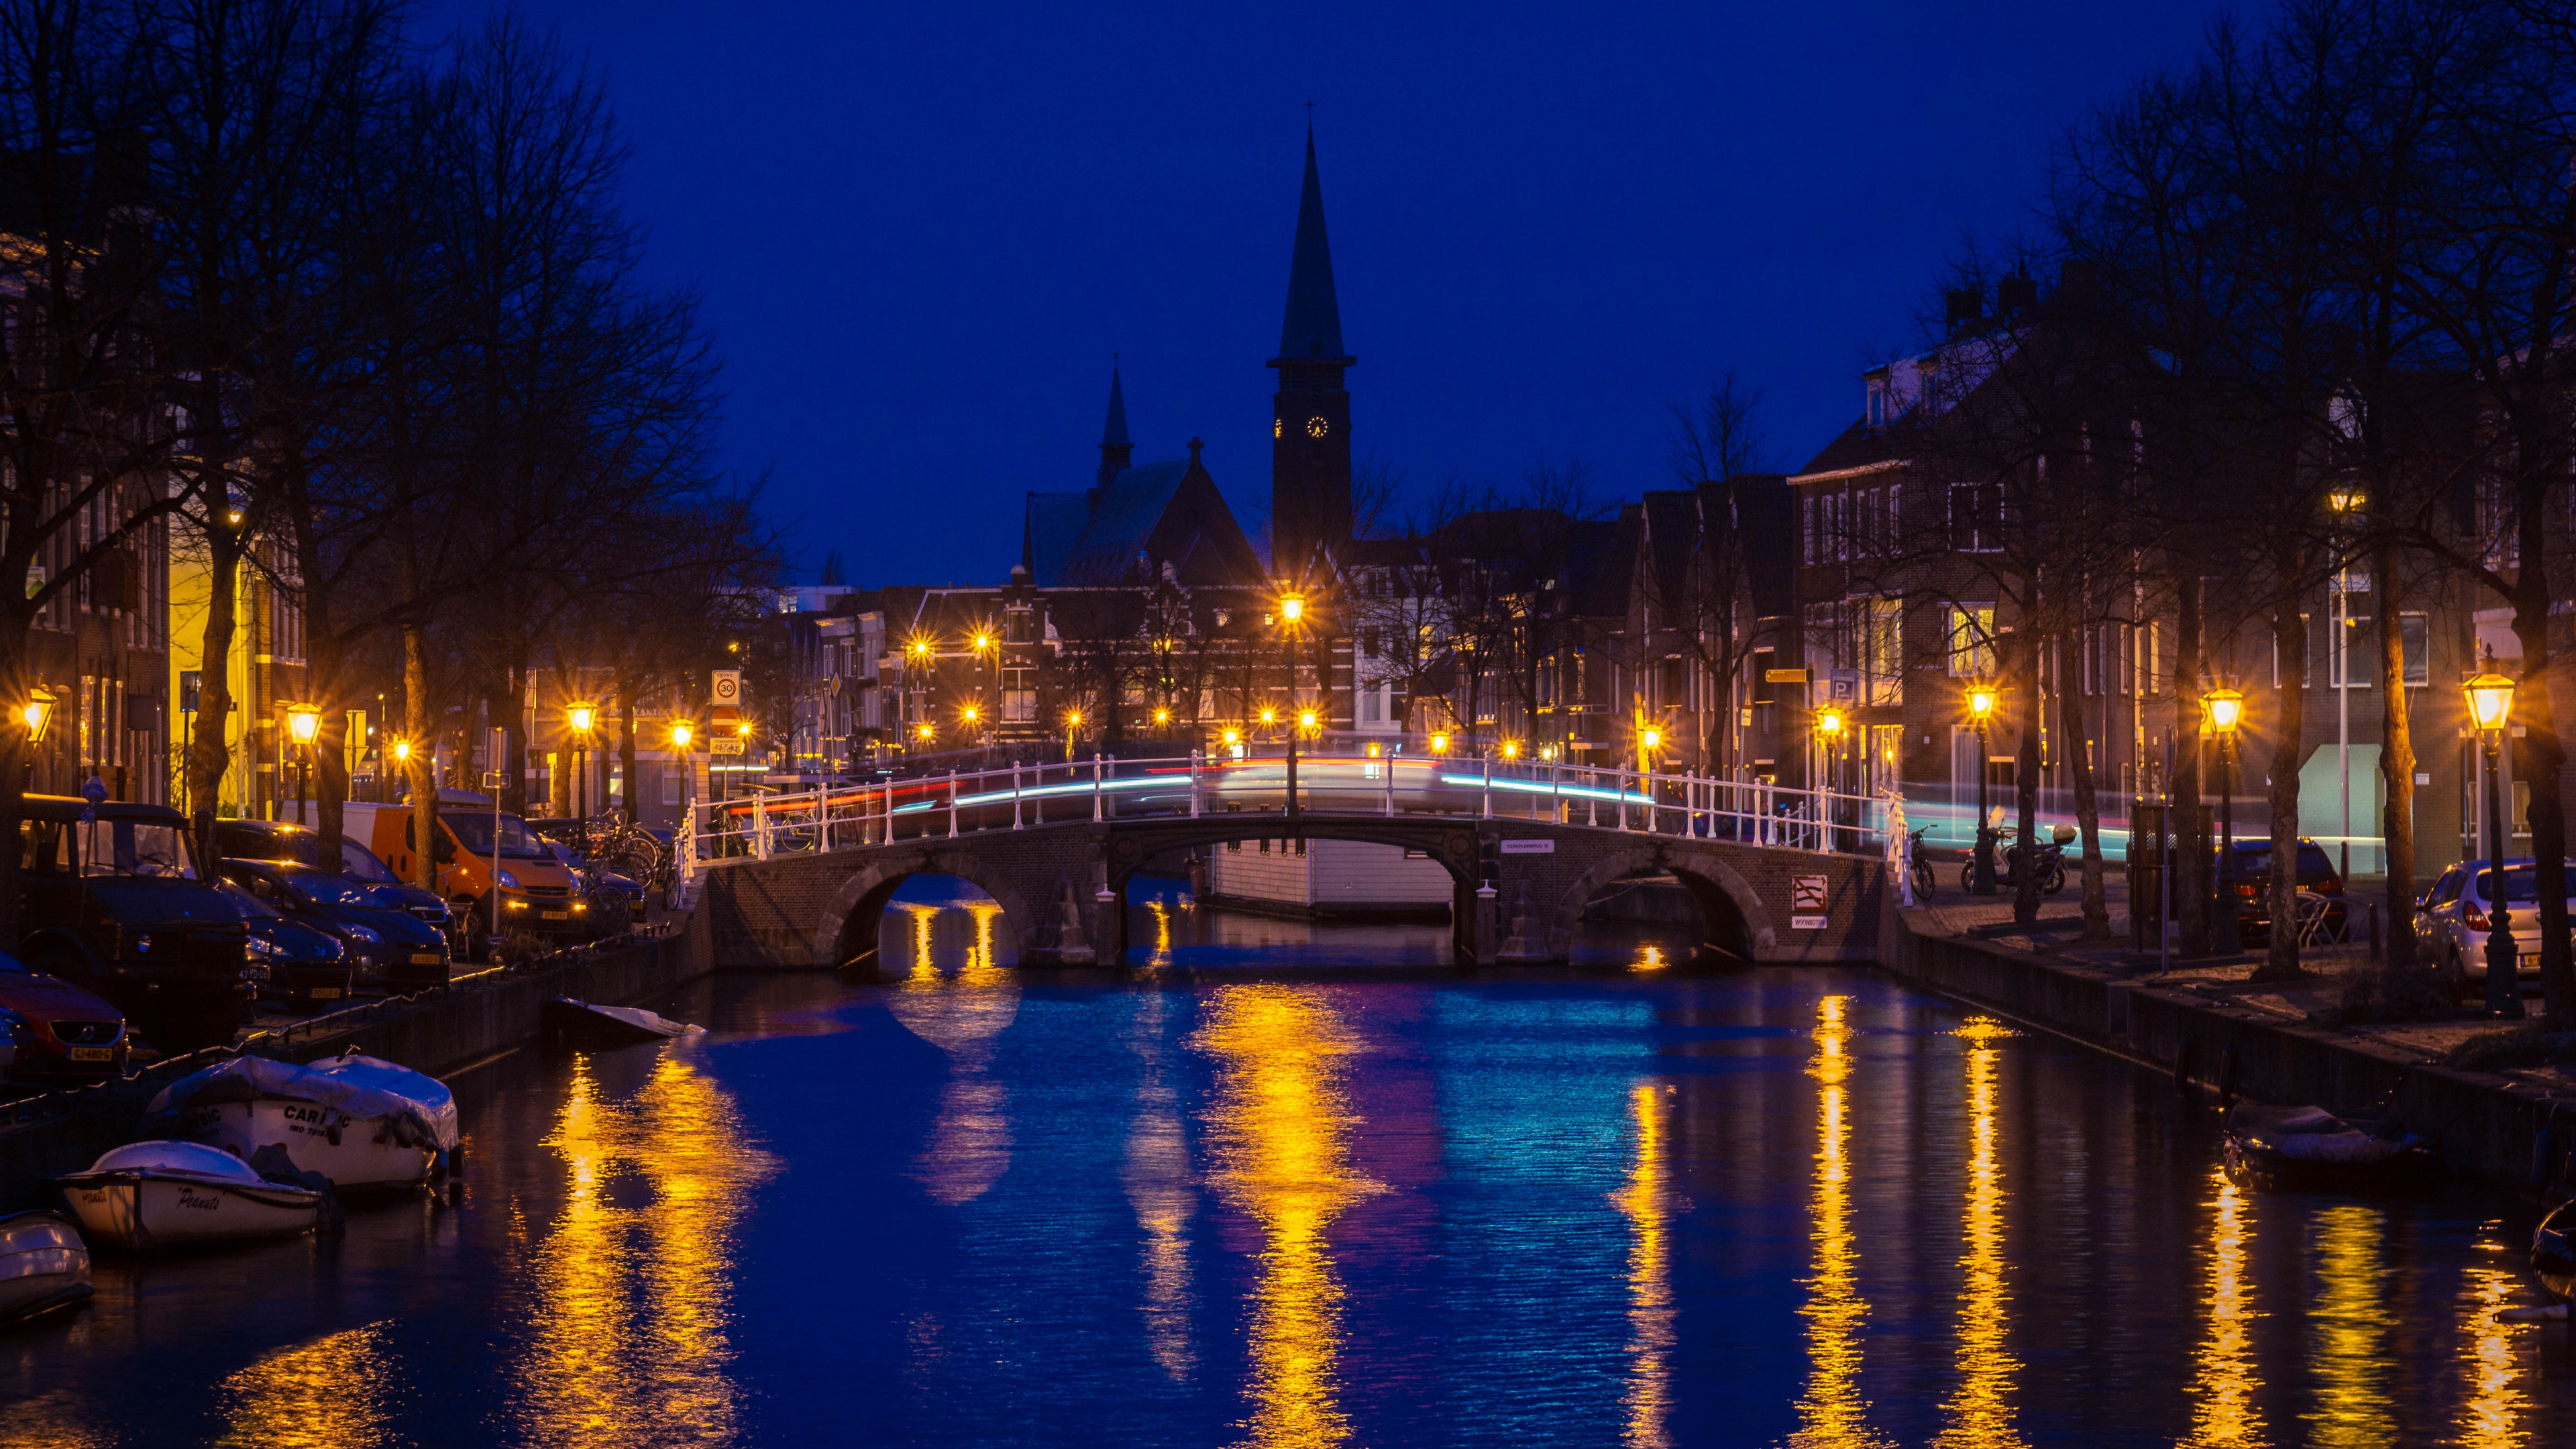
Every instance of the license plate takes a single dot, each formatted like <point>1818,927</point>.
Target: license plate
<point>93,1054</point>
<point>424,958</point>
<point>2531,961</point>
<point>554,916</point>
<point>325,993</point>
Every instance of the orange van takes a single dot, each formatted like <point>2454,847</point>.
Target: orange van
<point>537,894</point>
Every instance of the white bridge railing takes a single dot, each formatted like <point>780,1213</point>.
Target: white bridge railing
<point>1018,797</point>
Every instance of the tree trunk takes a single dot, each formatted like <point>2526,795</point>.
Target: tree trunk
<point>514,763</point>
<point>2397,767</point>
<point>2026,783</point>
<point>17,676</point>
<point>626,747</point>
<point>2088,815</point>
<point>2189,820</point>
<point>208,755</point>
<point>2290,645</point>
<point>2541,757</point>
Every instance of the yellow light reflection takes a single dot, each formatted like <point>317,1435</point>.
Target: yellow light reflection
<point>1980,1413</point>
<point>2224,1379</point>
<point>2492,1418</point>
<point>1647,1202</point>
<point>2351,1326</point>
<point>1832,1414</point>
<point>331,1393</point>
<point>632,1286</point>
<point>1650,957</point>
<point>970,1142</point>
<point>1162,934</point>
<point>1278,1132</point>
<point>1160,1188</point>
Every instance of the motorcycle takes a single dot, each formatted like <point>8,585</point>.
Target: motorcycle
<point>2050,864</point>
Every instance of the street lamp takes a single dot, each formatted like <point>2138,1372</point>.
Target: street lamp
<point>2491,705</point>
<point>580,714</point>
<point>681,734</point>
<point>36,715</point>
<point>1981,708</point>
<point>1072,723</point>
<point>303,723</point>
<point>1440,744</point>
<point>1511,749</point>
<point>1648,741</point>
<point>1162,716</point>
<point>1829,733</point>
<point>2226,709</point>
<point>1292,607</point>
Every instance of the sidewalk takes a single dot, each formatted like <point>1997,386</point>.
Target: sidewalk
<point>2314,1001</point>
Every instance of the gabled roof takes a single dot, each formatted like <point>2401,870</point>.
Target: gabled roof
<point>1767,519</point>
<point>1601,565</point>
<point>1051,531</point>
<point>1671,533</point>
<point>1143,518</point>
<point>1312,328</point>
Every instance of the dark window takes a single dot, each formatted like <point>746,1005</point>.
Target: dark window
<point>1976,517</point>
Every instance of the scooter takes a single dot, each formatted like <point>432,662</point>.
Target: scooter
<point>2051,863</point>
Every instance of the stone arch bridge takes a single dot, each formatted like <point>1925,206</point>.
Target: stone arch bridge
<point>1518,885</point>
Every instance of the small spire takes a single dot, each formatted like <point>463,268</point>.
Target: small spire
<point>1195,445</point>
<point>1115,448</point>
<point>1313,326</point>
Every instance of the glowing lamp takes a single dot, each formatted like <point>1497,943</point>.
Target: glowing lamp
<point>1440,744</point>
<point>1511,749</point>
<point>680,735</point>
<point>1270,716</point>
<point>921,732</point>
<point>2490,699</point>
<point>1234,737</point>
<point>1306,719</point>
<point>581,715</point>
<point>402,751</point>
<point>2226,709</point>
<point>1292,607</point>
<point>1652,739</point>
<point>1829,723</point>
<point>968,714</point>
<point>983,642</point>
<point>303,722</point>
<point>38,713</point>
<point>1162,716</point>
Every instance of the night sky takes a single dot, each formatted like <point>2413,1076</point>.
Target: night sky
<point>921,231</point>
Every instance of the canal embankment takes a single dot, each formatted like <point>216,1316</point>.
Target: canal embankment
<point>477,1019</point>
<point>2217,1033</point>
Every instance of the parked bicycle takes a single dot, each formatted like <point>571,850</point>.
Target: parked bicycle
<point>1924,882</point>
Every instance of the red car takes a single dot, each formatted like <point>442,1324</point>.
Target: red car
<point>58,1029</point>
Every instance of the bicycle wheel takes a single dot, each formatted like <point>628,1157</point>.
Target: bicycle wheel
<point>1968,876</point>
<point>2057,878</point>
<point>1924,881</point>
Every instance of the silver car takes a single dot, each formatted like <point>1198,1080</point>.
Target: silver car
<point>2454,922</point>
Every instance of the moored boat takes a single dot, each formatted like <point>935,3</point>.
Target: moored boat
<point>2309,1149</point>
<point>44,1265</point>
<point>162,1194</point>
<point>2553,1254</point>
<point>364,1123</point>
<point>588,1026</point>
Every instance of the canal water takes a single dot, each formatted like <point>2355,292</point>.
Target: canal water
<point>1225,1201</point>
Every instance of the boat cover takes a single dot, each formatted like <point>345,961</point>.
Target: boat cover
<point>194,1159</point>
<point>2311,1134</point>
<point>420,1109</point>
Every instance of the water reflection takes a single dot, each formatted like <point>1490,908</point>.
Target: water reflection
<point>2224,1379</point>
<point>332,1393</point>
<point>2492,1418</point>
<point>1647,1202</point>
<point>1832,1414</point>
<point>1279,1135</point>
<point>1980,1413</point>
<point>1161,1191</point>
<point>1650,957</point>
<point>962,1015</point>
<point>2350,1349</point>
<point>633,1285</point>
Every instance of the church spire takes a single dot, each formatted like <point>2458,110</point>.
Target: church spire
<point>1313,326</point>
<point>1115,449</point>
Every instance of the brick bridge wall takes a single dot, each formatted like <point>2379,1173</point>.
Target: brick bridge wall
<point>797,912</point>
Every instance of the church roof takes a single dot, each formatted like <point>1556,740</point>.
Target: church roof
<point>1145,517</point>
<point>1313,326</point>
<point>1113,433</point>
<point>1053,529</point>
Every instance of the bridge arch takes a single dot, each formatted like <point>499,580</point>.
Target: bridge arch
<point>848,929</point>
<point>1735,923</point>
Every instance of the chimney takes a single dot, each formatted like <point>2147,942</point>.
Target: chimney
<point>2015,295</point>
<point>1967,305</point>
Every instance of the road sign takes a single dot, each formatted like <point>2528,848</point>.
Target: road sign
<point>1529,847</point>
<point>724,744</point>
<point>1806,903</point>
<point>725,688</point>
<point>1784,676</point>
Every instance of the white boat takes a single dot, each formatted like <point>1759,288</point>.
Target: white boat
<point>586,1025</point>
<point>44,1265</point>
<point>162,1194</point>
<point>364,1123</point>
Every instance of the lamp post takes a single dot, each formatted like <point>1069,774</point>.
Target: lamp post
<point>37,714</point>
<point>2491,705</point>
<point>1292,610</point>
<point>1072,725</point>
<point>1829,734</point>
<point>2226,709</point>
<point>303,722</point>
<point>581,714</point>
<point>1981,708</point>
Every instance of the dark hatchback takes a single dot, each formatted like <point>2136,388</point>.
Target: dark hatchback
<point>2246,879</point>
<point>284,841</point>
<point>307,969</point>
<point>391,947</point>
<point>114,906</point>
<point>58,1029</point>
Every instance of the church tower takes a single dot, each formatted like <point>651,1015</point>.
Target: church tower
<point>1310,414</point>
<point>1115,450</point>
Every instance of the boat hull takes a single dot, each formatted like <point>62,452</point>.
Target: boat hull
<point>356,1153</point>
<point>44,1265</point>
<point>2258,1169</point>
<point>144,1210</point>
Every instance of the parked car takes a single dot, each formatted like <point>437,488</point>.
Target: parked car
<point>283,840</point>
<point>390,946</point>
<point>307,969</point>
<point>56,1028</point>
<point>2453,919</point>
<point>114,905</point>
<point>2246,878</point>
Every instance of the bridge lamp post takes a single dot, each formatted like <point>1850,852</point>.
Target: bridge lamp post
<point>2226,710</point>
<point>303,723</point>
<point>1829,738</point>
<point>581,715</point>
<point>1981,708</point>
<point>1072,727</point>
<point>1292,613</point>
<point>2491,705</point>
<point>1440,743</point>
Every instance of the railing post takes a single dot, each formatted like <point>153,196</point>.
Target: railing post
<point>1389,757</point>
<point>952,804</point>
<point>1095,784</point>
<point>1194,784</point>
<point>1489,787</point>
<point>1015,794</point>
<point>760,826</point>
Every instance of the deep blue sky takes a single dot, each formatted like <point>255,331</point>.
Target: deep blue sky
<point>922,230</point>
